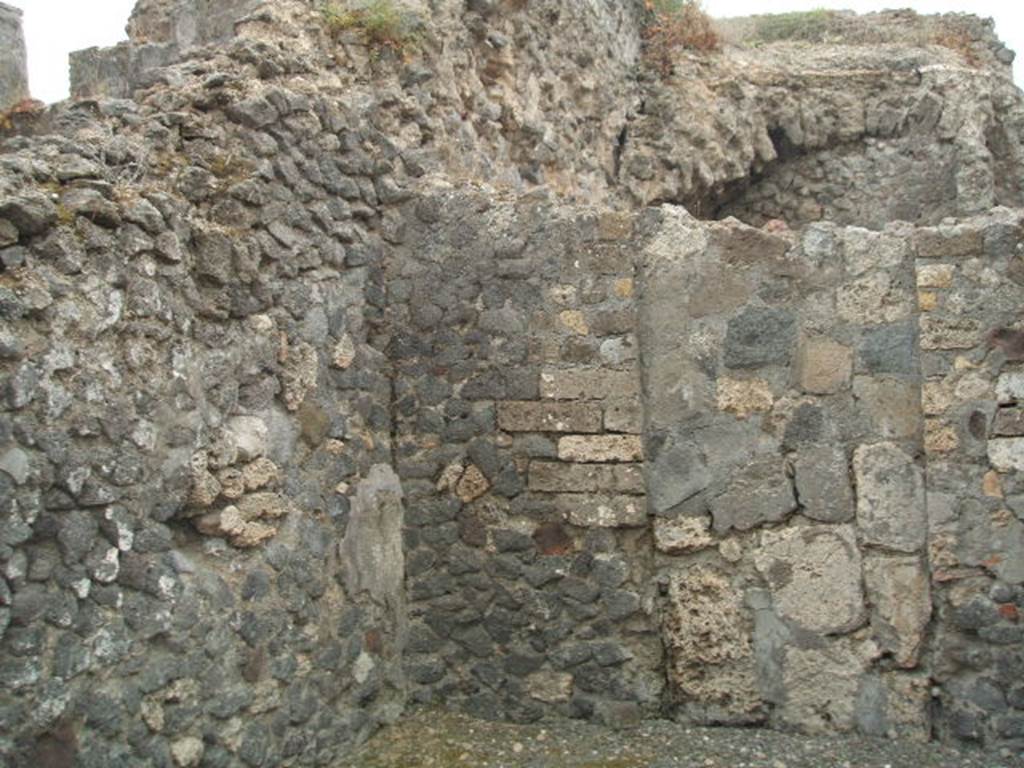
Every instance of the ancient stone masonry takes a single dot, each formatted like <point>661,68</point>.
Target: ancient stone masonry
<point>303,423</point>
<point>13,62</point>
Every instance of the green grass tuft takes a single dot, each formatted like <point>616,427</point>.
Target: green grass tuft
<point>381,23</point>
<point>808,26</point>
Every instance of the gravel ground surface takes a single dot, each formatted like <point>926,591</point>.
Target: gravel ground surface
<point>432,738</point>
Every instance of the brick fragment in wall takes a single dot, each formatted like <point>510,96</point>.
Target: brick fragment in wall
<point>600,448</point>
<point>962,244</point>
<point>1009,422</point>
<point>588,384</point>
<point>623,416</point>
<point>560,477</point>
<point>532,416</point>
<point>602,511</point>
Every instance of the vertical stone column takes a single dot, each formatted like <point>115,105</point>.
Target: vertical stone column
<point>13,60</point>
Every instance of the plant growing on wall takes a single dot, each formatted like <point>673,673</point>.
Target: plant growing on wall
<point>677,25</point>
<point>382,24</point>
<point>808,26</point>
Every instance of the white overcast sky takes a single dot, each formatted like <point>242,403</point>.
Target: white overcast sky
<point>53,28</point>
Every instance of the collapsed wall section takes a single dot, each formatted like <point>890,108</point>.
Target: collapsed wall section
<point>499,91</point>
<point>855,135</point>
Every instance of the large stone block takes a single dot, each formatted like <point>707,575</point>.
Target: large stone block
<point>822,686</point>
<point>588,384</point>
<point>708,634</point>
<point>532,416</point>
<point>758,493</point>
<point>823,366</point>
<point>890,348</point>
<point>893,406</point>
<point>760,336</point>
<point>814,573</point>
<point>601,448</point>
<point>890,498</point>
<point>874,298</point>
<point>676,471</point>
<point>823,484</point>
<point>559,477</point>
<point>901,606</point>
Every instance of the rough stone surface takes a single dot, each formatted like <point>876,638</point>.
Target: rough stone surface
<point>304,424</point>
<point>822,687</point>
<point>600,448</point>
<point>13,59</point>
<point>890,497</point>
<point>822,479</point>
<point>824,366</point>
<point>901,605</point>
<point>682,534</point>
<point>757,494</point>
<point>712,656</point>
<point>814,573</point>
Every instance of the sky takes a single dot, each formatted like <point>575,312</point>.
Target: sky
<point>54,28</point>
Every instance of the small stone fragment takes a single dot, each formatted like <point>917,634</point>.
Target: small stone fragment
<point>344,352</point>
<point>259,474</point>
<point>187,752</point>
<point>1007,454</point>
<point>574,320</point>
<point>744,397</point>
<point>550,687</point>
<point>205,488</point>
<point>248,436</point>
<point>682,534</point>
<point>472,485</point>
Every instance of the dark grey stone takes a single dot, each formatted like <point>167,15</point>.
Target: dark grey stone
<point>32,214</point>
<point>890,349</point>
<point>77,532</point>
<point>760,336</point>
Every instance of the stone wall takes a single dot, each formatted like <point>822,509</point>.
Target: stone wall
<point>970,288</point>
<point>202,537</point>
<point>13,61</point>
<point>518,437</point>
<point>301,424</point>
